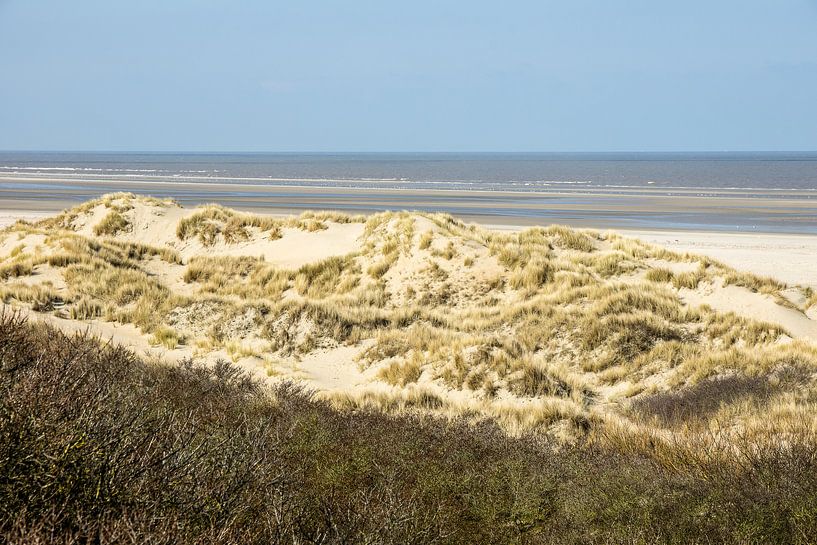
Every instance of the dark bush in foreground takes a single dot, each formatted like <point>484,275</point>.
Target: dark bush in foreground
<point>98,446</point>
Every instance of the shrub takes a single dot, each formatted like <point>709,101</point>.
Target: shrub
<point>97,446</point>
<point>700,400</point>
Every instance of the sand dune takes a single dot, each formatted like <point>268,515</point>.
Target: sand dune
<point>538,328</point>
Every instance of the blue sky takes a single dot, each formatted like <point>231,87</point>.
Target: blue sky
<point>253,75</point>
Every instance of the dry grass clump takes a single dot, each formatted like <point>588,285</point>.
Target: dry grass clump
<point>411,398</point>
<point>606,265</point>
<point>619,299</point>
<point>219,271</point>
<point>111,224</point>
<point>86,309</point>
<point>533,275</point>
<point>688,280</point>
<point>571,239</point>
<point>41,297</point>
<point>535,379</point>
<point>138,251</point>
<point>752,362</point>
<point>387,236</point>
<point>638,249</point>
<point>251,278</point>
<point>324,216</point>
<point>402,373</point>
<point>425,240</point>
<point>729,330</point>
<point>446,253</point>
<point>116,202</point>
<point>620,338</point>
<point>238,350</point>
<point>16,269</point>
<point>332,275</point>
<point>129,295</point>
<point>753,282</point>
<point>17,250</point>
<point>212,221</point>
<point>379,269</point>
<point>243,277</point>
<point>659,274</point>
<point>70,248</point>
<point>512,253</point>
<point>167,337</point>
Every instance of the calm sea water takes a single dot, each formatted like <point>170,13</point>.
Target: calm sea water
<point>482,171</point>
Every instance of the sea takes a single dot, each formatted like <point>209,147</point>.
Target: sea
<point>781,171</point>
<point>528,187</point>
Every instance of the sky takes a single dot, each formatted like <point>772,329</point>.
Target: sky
<point>262,75</point>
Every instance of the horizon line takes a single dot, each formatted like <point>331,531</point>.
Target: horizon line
<point>406,152</point>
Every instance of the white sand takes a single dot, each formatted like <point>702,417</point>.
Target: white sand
<point>756,306</point>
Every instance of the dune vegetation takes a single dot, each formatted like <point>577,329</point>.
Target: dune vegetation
<point>568,333</point>
<point>99,446</point>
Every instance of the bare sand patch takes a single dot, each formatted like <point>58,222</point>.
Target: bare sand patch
<point>756,306</point>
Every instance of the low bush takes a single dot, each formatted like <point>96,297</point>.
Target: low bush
<point>97,446</point>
